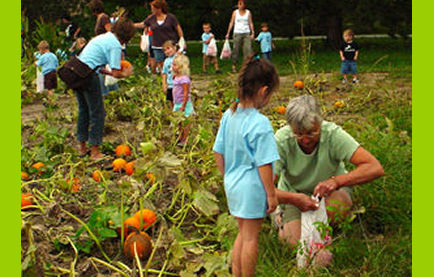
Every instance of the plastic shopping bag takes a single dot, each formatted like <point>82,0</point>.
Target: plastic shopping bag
<point>212,48</point>
<point>39,81</point>
<point>311,241</point>
<point>109,80</point>
<point>182,45</point>
<point>144,42</point>
<point>226,51</point>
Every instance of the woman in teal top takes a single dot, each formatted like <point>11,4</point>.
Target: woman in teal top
<point>312,155</point>
<point>101,50</point>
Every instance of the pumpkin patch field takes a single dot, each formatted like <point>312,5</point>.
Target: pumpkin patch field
<point>153,208</point>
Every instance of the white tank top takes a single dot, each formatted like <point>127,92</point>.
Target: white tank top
<point>241,22</point>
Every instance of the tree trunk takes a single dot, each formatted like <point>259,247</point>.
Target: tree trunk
<point>334,31</point>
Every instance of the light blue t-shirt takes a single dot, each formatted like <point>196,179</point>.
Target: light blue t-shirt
<point>205,37</point>
<point>167,69</point>
<point>246,141</point>
<point>101,50</point>
<point>48,62</point>
<point>265,39</point>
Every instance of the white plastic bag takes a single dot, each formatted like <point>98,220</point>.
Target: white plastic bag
<point>182,45</point>
<point>226,51</point>
<point>311,241</point>
<point>144,42</point>
<point>109,80</point>
<point>212,48</point>
<point>39,81</point>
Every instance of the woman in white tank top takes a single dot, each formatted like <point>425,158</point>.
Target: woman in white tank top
<point>244,32</point>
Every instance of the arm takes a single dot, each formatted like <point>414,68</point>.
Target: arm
<point>209,40</point>
<point>341,53</point>
<point>140,25</point>
<point>184,101</point>
<point>76,33</point>
<point>356,55</point>
<point>266,174</point>
<point>164,81</point>
<point>252,28</point>
<point>118,73</point>
<point>231,24</point>
<point>220,161</point>
<point>367,169</point>
<point>179,31</point>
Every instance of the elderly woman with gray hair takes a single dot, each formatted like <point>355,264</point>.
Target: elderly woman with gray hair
<point>312,155</point>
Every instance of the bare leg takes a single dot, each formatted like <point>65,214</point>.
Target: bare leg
<point>249,245</point>
<point>236,252</point>
<point>341,200</point>
<point>291,232</point>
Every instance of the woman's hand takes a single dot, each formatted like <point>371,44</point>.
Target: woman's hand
<point>105,71</point>
<point>272,203</point>
<point>305,203</point>
<point>227,36</point>
<point>326,187</point>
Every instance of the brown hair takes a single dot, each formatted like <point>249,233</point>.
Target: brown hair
<point>255,73</point>
<point>124,29</point>
<point>264,24</point>
<point>96,6</point>
<point>349,32</point>
<point>207,24</point>
<point>43,45</point>
<point>169,43</point>
<point>160,4</point>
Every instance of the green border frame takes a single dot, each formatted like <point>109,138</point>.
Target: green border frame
<point>11,139</point>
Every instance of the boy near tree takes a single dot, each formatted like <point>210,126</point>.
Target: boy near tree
<point>207,36</point>
<point>349,53</point>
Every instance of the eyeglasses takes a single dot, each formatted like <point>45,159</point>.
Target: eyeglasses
<point>309,135</point>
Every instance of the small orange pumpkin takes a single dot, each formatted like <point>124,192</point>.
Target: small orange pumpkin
<point>26,199</point>
<point>119,164</point>
<point>97,176</point>
<point>129,168</point>
<point>129,225</point>
<point>38,165</point>
<point>24,176</point>
<point>150,176</point>
<point>76,184</point>
<point>280,109</point>
<point>123,149</point>
<point>147,216</point>
<point>298,84</point>
<point>125,64</point>
<point>338,104</point>
<point>143,245</point>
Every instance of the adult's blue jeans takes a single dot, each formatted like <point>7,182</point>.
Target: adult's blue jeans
<point>91,113</point>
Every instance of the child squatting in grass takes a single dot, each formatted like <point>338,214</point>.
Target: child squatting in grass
<point>244,150</point>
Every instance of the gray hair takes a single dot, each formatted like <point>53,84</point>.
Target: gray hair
<point>303,112</point>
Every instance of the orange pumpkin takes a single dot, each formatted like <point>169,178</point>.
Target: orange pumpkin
<point>150,176</point>
<point>338,104</point>
<point>97,176</point>
<point>119,164</point>
<point>129,225</point>
<point>298,84</point>
<point>143,245</point>
<point>26,199</point>
<point>123,149</point>
<point>38,165</point>
<point>280,109</point>
<point>76,185</point>
<point>24,176</point>
<point>147,216</point>
<point>125,64</point>
<point>129,168</point>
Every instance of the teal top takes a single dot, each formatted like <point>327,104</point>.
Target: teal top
<point>246,141</point>
<point>101,50</point>
<point>300,172</point>
<point>48,62</point>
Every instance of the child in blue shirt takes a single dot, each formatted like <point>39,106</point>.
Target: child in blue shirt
<point>244,150</point>
<point>48,63</point>
<point>169,48</point>
<point>207,36</point>
<point>265,39</point>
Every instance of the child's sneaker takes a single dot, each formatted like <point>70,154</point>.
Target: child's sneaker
<point>234,69</point>
<point>355,81</point>
<point>344,81</point>
<point>157,70</point>
<point>218,71</point>
<point>148,68</point>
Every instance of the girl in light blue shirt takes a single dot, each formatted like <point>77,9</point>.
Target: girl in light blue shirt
<point>244,150</point>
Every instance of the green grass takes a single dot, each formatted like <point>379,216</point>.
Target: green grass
<point>376,55</point>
